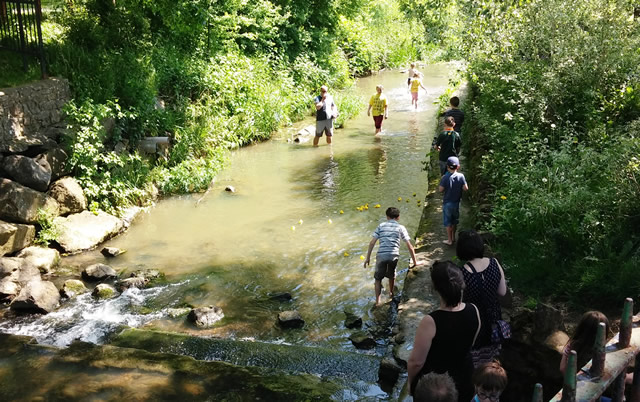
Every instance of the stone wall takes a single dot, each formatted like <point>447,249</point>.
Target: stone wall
<point>31,114</point>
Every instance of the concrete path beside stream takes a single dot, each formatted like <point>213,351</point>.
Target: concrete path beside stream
<point>418,297</point>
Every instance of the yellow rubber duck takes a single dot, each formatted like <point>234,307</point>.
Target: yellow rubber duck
<point>300,222</point>
<point>377,206</point>
<point>341,212</point>
<point>414,194</point>
<point>330,221</point>
<point>408,200</point>
<point>346,254</point>
<point>362,257</point>
<point>366,207</point>
<point>399,198</point>
<point>293,228</point>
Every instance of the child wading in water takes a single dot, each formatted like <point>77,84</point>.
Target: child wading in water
<point>378,103</point>
<point>389,233</point>
<point>452,185</point>
<point>416,84</point>
<point>412,70</point>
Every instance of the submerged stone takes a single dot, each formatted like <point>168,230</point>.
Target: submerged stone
<point>352,320</point>
<point>85,371</point>
<point>350,366</point>
<point>205,317</point>
<point>362,340</point>
<point>290,319</point>
<point>281,296</point>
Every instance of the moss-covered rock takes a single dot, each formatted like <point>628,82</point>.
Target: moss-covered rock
<point>104,291</point>
<point>72,288</point>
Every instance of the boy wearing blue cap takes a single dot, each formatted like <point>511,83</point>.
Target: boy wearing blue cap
<point>452,185</point>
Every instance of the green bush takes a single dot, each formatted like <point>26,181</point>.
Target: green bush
<point>559,161</point>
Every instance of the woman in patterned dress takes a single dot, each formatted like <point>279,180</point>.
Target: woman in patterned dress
<point>485,282</point>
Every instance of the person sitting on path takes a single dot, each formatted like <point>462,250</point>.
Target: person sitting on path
<point>485,282</point>
<point>378,103</point>
<point>411,72</point>
<point>444,338</point>
<point>448,143</point>
<point>489,380</point>
<point>389,233</point>
<point>452,184</point>
<point>326,112</point>
<point>416,84</point>
<point>434,387</point>
<point>457,114</point>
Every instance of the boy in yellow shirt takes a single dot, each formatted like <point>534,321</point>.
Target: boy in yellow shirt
<point>378,103</point>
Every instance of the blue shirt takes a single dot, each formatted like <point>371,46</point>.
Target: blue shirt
<point>390,233</point>
<point>453,184</point>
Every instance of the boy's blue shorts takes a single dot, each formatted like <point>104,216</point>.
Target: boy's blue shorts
<point>450,213</point>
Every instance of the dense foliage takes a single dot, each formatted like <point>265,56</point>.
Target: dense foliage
<point>211,75</point>
<point>555,141</point>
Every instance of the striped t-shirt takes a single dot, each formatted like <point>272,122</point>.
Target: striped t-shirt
<point>390,233</point>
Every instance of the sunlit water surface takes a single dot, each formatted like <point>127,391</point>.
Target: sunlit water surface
<point>281,231</point>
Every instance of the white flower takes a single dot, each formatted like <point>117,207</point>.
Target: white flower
<point>553,125</point>
<point>508,116</point>
<point>544,180</point>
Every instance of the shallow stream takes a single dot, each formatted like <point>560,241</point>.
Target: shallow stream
<point>283,230</point>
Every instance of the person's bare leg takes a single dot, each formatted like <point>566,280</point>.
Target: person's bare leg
<point>453,234</point>
<point>329,140</point>
<point>378,287</point>
<point>315,141</point>
<point>392,282</point>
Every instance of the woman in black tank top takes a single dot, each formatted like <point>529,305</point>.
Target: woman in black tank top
<point>444,338</point>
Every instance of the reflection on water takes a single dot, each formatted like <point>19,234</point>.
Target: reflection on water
<point>281,231</point>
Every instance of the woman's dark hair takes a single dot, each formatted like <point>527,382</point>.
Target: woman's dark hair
<point>470,245</point>
<point>491,377</point>
<point>584,337</point>
<point>448,281</point>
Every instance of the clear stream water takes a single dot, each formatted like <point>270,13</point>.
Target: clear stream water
<point>233,250</point>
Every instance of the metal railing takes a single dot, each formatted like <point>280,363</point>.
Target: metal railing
<point>20,30</point>
<point>608,368</point>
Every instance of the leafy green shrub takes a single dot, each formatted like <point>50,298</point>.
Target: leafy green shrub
<point>47,231</point>
<point>558,160</point>
<point>349,105</point>
<point>109,179</point>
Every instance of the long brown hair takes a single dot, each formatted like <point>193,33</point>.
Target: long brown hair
<point>584,337</point>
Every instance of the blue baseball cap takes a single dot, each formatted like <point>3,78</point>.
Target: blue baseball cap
<point>453,162</point>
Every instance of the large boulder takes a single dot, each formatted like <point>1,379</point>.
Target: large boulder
<point>72,288</point>
<point>205,317</point>
<point>290,319</point>
<point>45,259</point>
<point>15,236</point>
<point>57,158</point>
<point>98,272</point>
<point>86,230</point>
<point>37,296</point>
<point>18,270</point>
<point>69,195</point>
<point>30,172</point>
<point>21,204</point>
